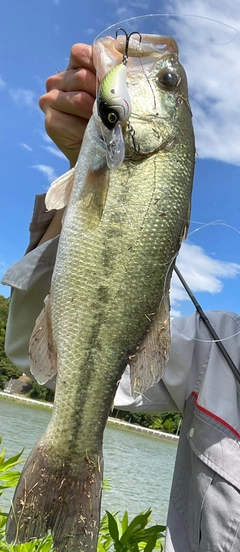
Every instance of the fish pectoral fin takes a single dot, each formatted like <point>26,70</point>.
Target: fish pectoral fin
<point>59,192</point>
<point>42,355</point>
<point>147,366</point>
<point>94,195</point>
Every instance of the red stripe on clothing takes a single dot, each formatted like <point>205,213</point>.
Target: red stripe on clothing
<point>214,416</point>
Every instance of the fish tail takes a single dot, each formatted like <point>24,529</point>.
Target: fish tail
<point>59,497</point>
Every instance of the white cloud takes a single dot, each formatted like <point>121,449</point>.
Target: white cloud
<point>54,151</point>
<point>3,84</point>
<point>203,274</point>
<point>3,267</point>
<point>90,31</point>
<point>209,52</point>
<point>145,5</point>
<point>123,12</point>
<point>22,96</point>
<point>47,171</point>
<point>26,146</point>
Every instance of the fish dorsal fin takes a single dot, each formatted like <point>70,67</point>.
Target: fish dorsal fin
<point>148,364</point>
<point>94,195</point>
<point>43,358</point>
<point>59,192</point>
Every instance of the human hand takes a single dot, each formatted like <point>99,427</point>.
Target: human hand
<point>68,103</point>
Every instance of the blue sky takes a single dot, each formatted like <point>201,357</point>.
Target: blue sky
<point>35,40</point>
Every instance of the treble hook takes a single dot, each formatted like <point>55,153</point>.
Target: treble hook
<point>125,55</point>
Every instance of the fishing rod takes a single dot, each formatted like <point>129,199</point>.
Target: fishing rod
<point>209,326</point>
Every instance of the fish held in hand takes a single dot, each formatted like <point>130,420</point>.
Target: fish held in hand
<point>109,300</point>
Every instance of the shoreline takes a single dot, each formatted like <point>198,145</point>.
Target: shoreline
<point>114,421</point>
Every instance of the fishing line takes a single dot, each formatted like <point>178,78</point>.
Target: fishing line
<point>213,223</point>
<point>204,225</point>
<point>200,17</point>
<point>209,326</point>
<point>149,84</point>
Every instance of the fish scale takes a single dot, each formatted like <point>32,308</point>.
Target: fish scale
<point>109,299</point>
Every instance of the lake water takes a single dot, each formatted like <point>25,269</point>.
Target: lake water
<point>139,466</point>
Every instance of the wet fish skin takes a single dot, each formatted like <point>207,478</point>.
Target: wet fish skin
<point>109,297</point>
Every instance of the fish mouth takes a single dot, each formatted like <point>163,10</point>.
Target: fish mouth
<point>149,45</point>
<point>108,52</point>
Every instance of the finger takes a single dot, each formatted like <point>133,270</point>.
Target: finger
<point>66,131</point>
<point>73,103</point>
<point>72,80</point>
<point>69,128</point>
<point>81,56</point>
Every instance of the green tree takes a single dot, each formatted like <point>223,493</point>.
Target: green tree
<point>41,392</point>
<point>7,368</point>
<point>168,422</point>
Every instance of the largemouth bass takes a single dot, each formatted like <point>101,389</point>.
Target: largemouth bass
<point>109,300</point>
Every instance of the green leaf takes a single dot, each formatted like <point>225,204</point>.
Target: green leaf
<point>45,545</point>
<point>133,547</point>
<point>151,543</point>
<point>8,476</point>
<point>101,548</point>
<point>125,521</point>
<point>11,462</point>
<point>2,454</point>
<point>3,519</point>
<point>145,534</point>
<point>106,484</point>
<point>138,523</point>
<point>112,526</point>
<point>4,547</point>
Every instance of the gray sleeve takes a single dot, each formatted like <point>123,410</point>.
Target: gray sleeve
<point>29,289</point>
<point>155,399</point>
<point>30,280</point>
<point>40,221</point>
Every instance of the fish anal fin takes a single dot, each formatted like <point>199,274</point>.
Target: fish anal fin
<point>42,355</point>
<point>59,192</point>
<point>147,366</point>
<point>94,195</point>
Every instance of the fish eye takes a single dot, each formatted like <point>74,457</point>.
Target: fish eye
<point>168,78</point>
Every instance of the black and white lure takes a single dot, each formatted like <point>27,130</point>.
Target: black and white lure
<point>114,107</point>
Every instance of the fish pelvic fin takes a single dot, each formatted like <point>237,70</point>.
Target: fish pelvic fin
<point>59,192</point>
<point>94,195</point>
<point>148,364</point>
<point>42,355</point>
<point>59,497</point>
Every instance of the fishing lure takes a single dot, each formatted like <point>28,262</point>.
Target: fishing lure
<point>114,107</point>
